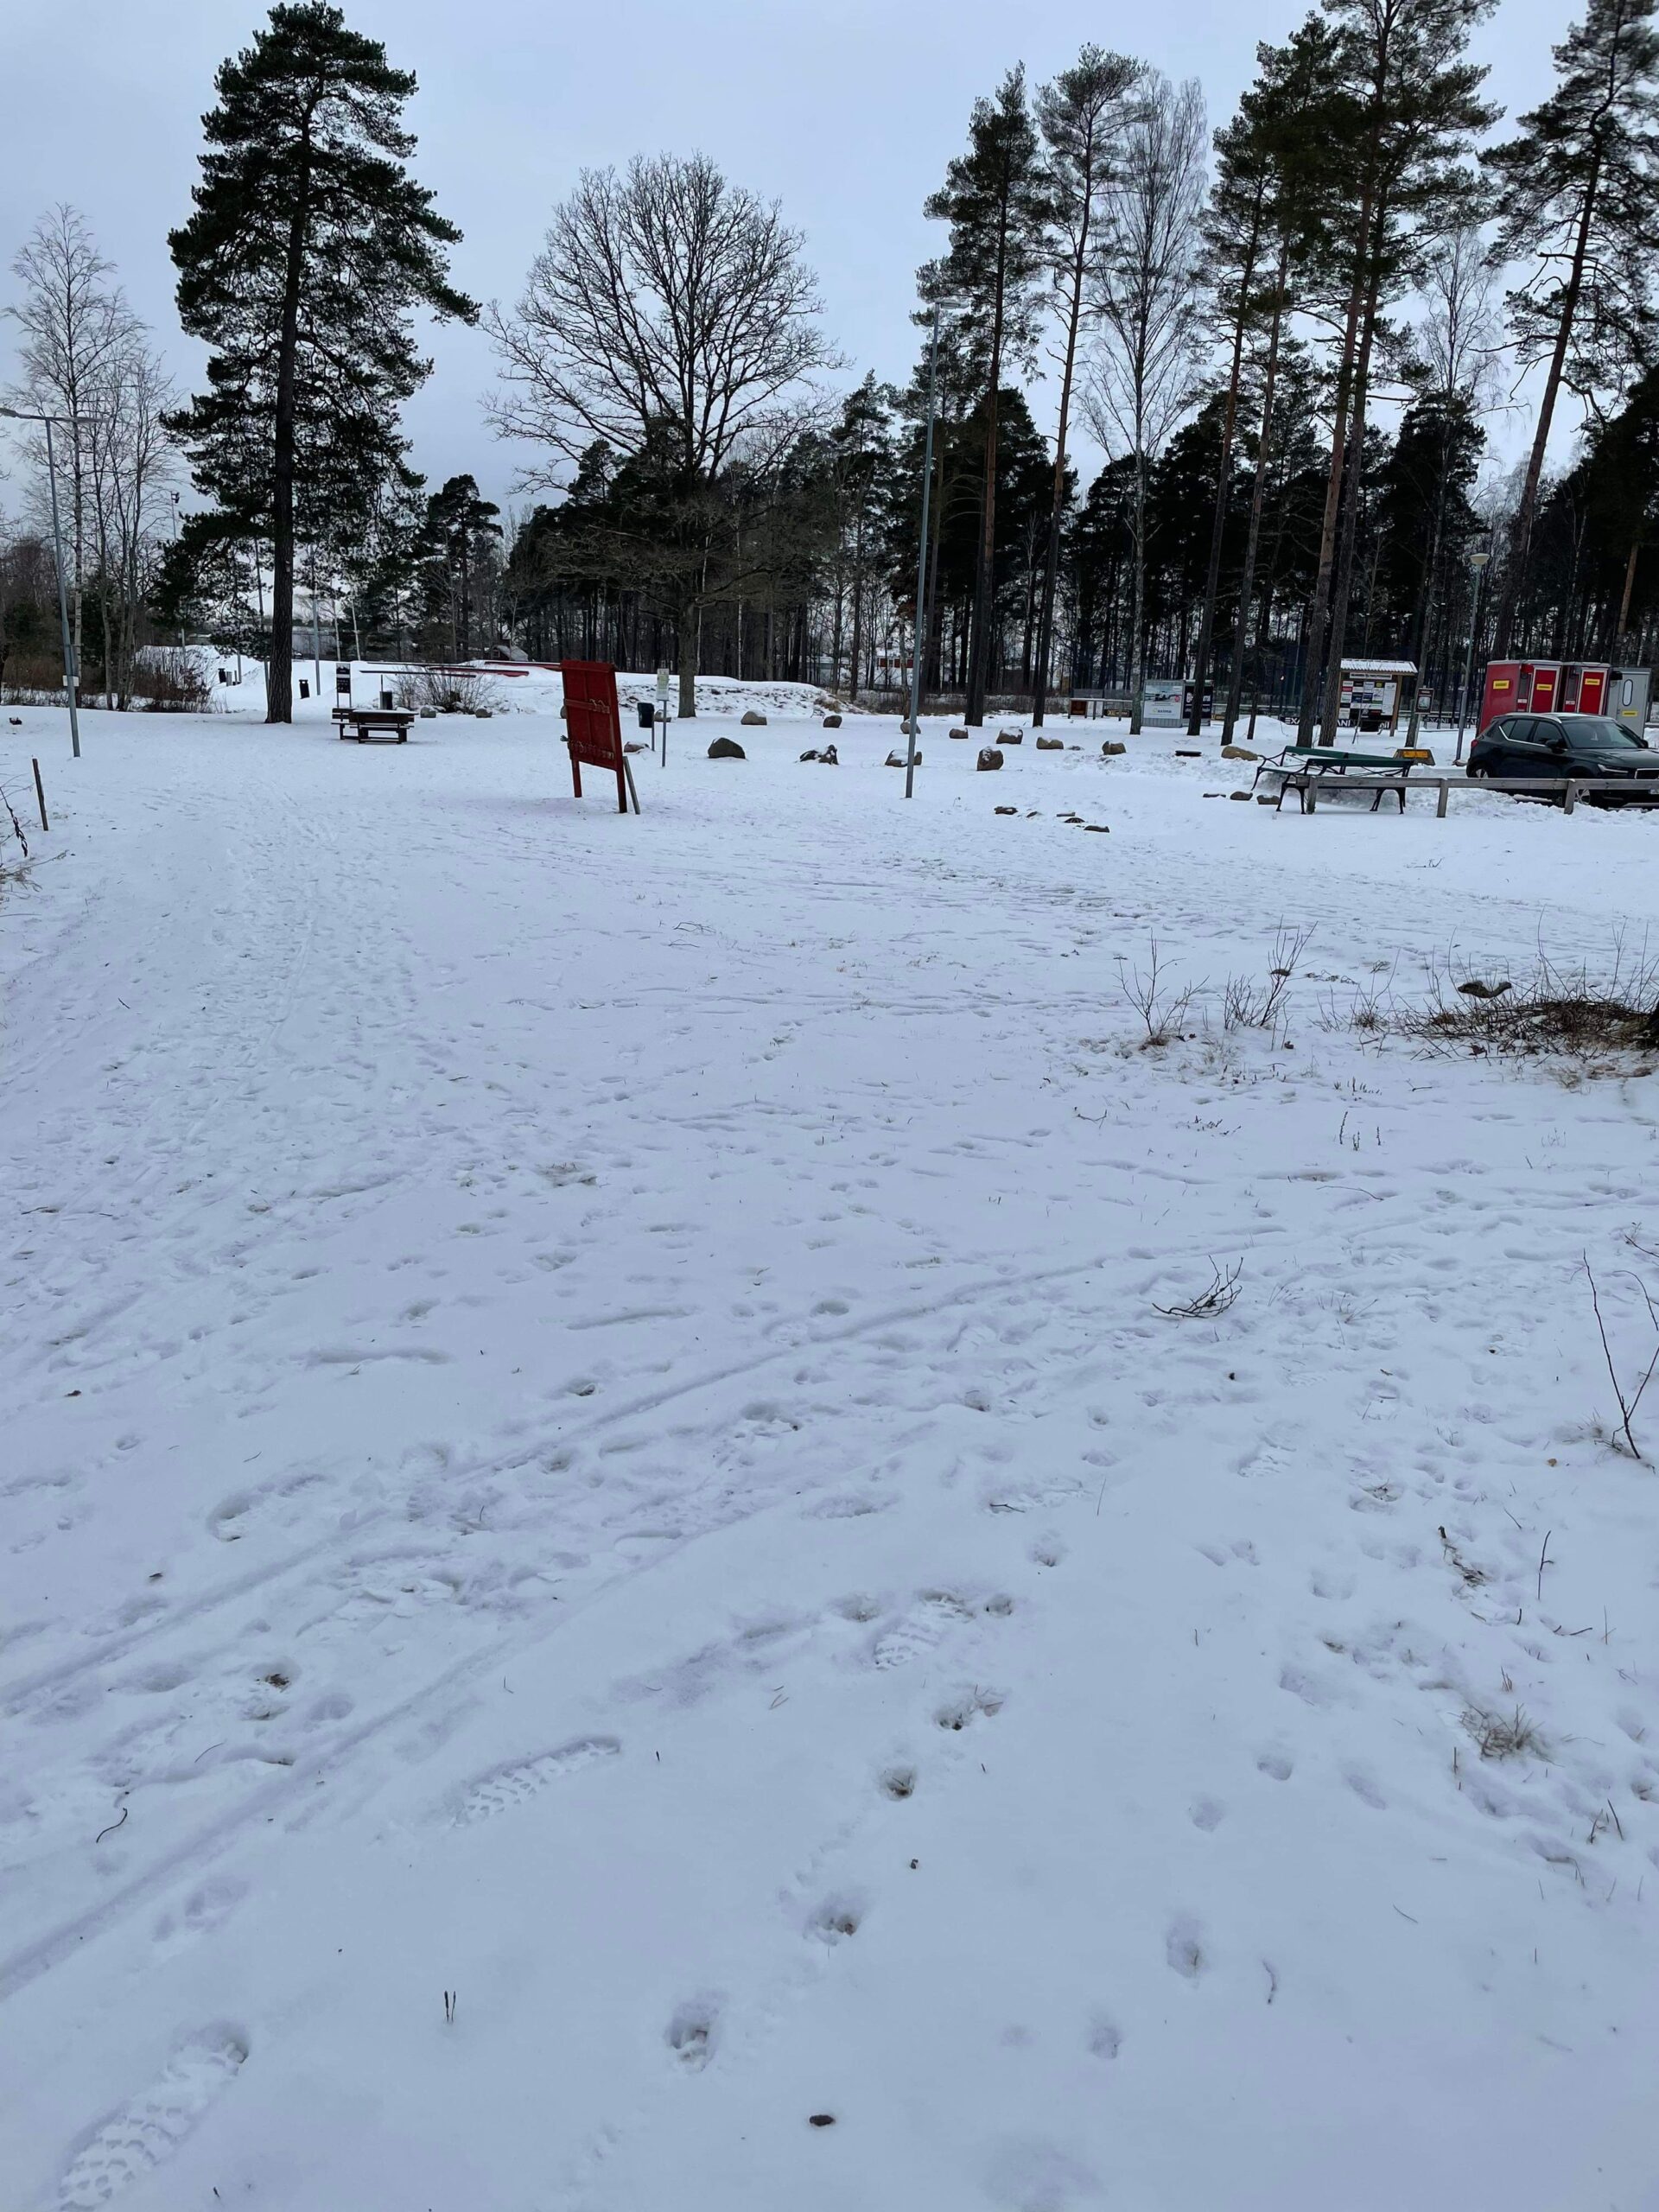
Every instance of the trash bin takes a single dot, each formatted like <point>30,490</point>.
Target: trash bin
<point>647,713</point>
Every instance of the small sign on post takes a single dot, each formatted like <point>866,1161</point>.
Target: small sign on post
<point>592,725</point>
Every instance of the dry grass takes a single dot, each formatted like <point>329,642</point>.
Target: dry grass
<point>1504,1736</point>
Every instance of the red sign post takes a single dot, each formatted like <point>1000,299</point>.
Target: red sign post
<point>592,725</point>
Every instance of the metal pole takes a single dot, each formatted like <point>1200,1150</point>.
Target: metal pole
<point>69,673</point>
<point>917,645</point>
<point>1478,562</point>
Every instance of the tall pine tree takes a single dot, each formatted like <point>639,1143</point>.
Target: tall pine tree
<point>1579,185</point>
<point>309,250</point>
<point>996,197</point>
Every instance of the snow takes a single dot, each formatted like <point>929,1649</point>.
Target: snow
<point>589,1427</point>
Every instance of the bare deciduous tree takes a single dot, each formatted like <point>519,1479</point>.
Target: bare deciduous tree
<point>668,313</point>
<point>73,324</point>
<point>1146,288</point>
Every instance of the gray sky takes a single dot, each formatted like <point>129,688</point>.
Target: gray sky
<point>846,111</point>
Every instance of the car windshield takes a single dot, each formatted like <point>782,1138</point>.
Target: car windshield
<point>1599,734</point>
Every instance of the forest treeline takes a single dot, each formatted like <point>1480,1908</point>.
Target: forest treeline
<point>1299,340</point>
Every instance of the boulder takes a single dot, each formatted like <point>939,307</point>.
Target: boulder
<point>751,720</point>
<point>1010,737</point>
<point>829,757</point>
<point>899,759</point>
<point>430,714</point>
<point>1114,745</point>
<point>1238,753</point>
<point>962,733</point>
<point>1245,795</point>
<point>1050,745</point>
<point>808,756</point>
<point>989,757</point>
<point>1100,828</point>
<point>726,748</point>
<point>832,722</point>
<point>1005,810</point>
<point>636,745</point>
<point>482,714</point>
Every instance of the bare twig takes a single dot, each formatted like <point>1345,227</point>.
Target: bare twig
<point>1627,1407</point>
<point>1222,1291</point>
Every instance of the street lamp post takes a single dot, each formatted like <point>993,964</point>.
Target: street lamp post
<point>23,415</point>
<point>920,632</point>
<point>1478,562</point>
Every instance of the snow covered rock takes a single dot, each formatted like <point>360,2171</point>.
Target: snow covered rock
<point>727,748</point>
<point>989,757</point>
<point>753,720</point>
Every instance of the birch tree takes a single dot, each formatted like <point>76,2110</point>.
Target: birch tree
<point>1145,302</point>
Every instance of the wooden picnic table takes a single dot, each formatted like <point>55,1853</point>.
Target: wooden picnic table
<point>375,724</point>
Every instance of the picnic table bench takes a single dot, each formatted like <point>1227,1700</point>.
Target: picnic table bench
<point>1301,768</point>
<point>375,724</point>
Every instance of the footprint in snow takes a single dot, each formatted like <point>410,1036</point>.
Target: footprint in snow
<point>516,1785</point>
<point>693,2033</point>
<point>145,2132</point>
<point>1184,1948</point>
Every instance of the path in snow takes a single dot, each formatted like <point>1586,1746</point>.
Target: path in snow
<point>589,1427</point>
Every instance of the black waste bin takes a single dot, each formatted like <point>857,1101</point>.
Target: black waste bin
<point>646,712</point>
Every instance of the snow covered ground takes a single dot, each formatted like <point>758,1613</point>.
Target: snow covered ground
<point>590,1444</point>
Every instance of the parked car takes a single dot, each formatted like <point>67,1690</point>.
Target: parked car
<point>1559,746</point>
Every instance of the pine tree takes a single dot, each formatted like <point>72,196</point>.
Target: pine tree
<point>1079,116</point>
<point>1283,139</point>
<point>996,199</point>
<point>1412,105</point>
<point>1580,190</point>
<point>308,249</point>
<point>460,550</point>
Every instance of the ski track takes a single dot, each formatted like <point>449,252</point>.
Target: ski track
<point>629,1286</point>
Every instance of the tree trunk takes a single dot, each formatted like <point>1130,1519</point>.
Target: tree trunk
<point>1521,536</point>
<point>1138,596</point>
<point>1258,493</point>
<point>1052,566</point>
<point>1224,486</point>
<point>279,676</point>
<point>1623,624</point>
<point>1348,533</point>
<point>1319,609</point>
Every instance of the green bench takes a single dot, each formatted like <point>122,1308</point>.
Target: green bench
<point>1299,765</point>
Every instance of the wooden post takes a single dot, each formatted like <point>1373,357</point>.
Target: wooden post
<point>40,795</point>
<point>1572,794</point>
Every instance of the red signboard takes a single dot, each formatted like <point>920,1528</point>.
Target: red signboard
<point>592,726</point>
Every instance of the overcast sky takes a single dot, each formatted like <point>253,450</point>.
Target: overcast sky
<point>845,111</point>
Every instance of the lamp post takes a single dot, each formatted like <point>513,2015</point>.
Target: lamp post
<point>920,633</point>
<point>1478,562</point>
<point>23,415</point>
